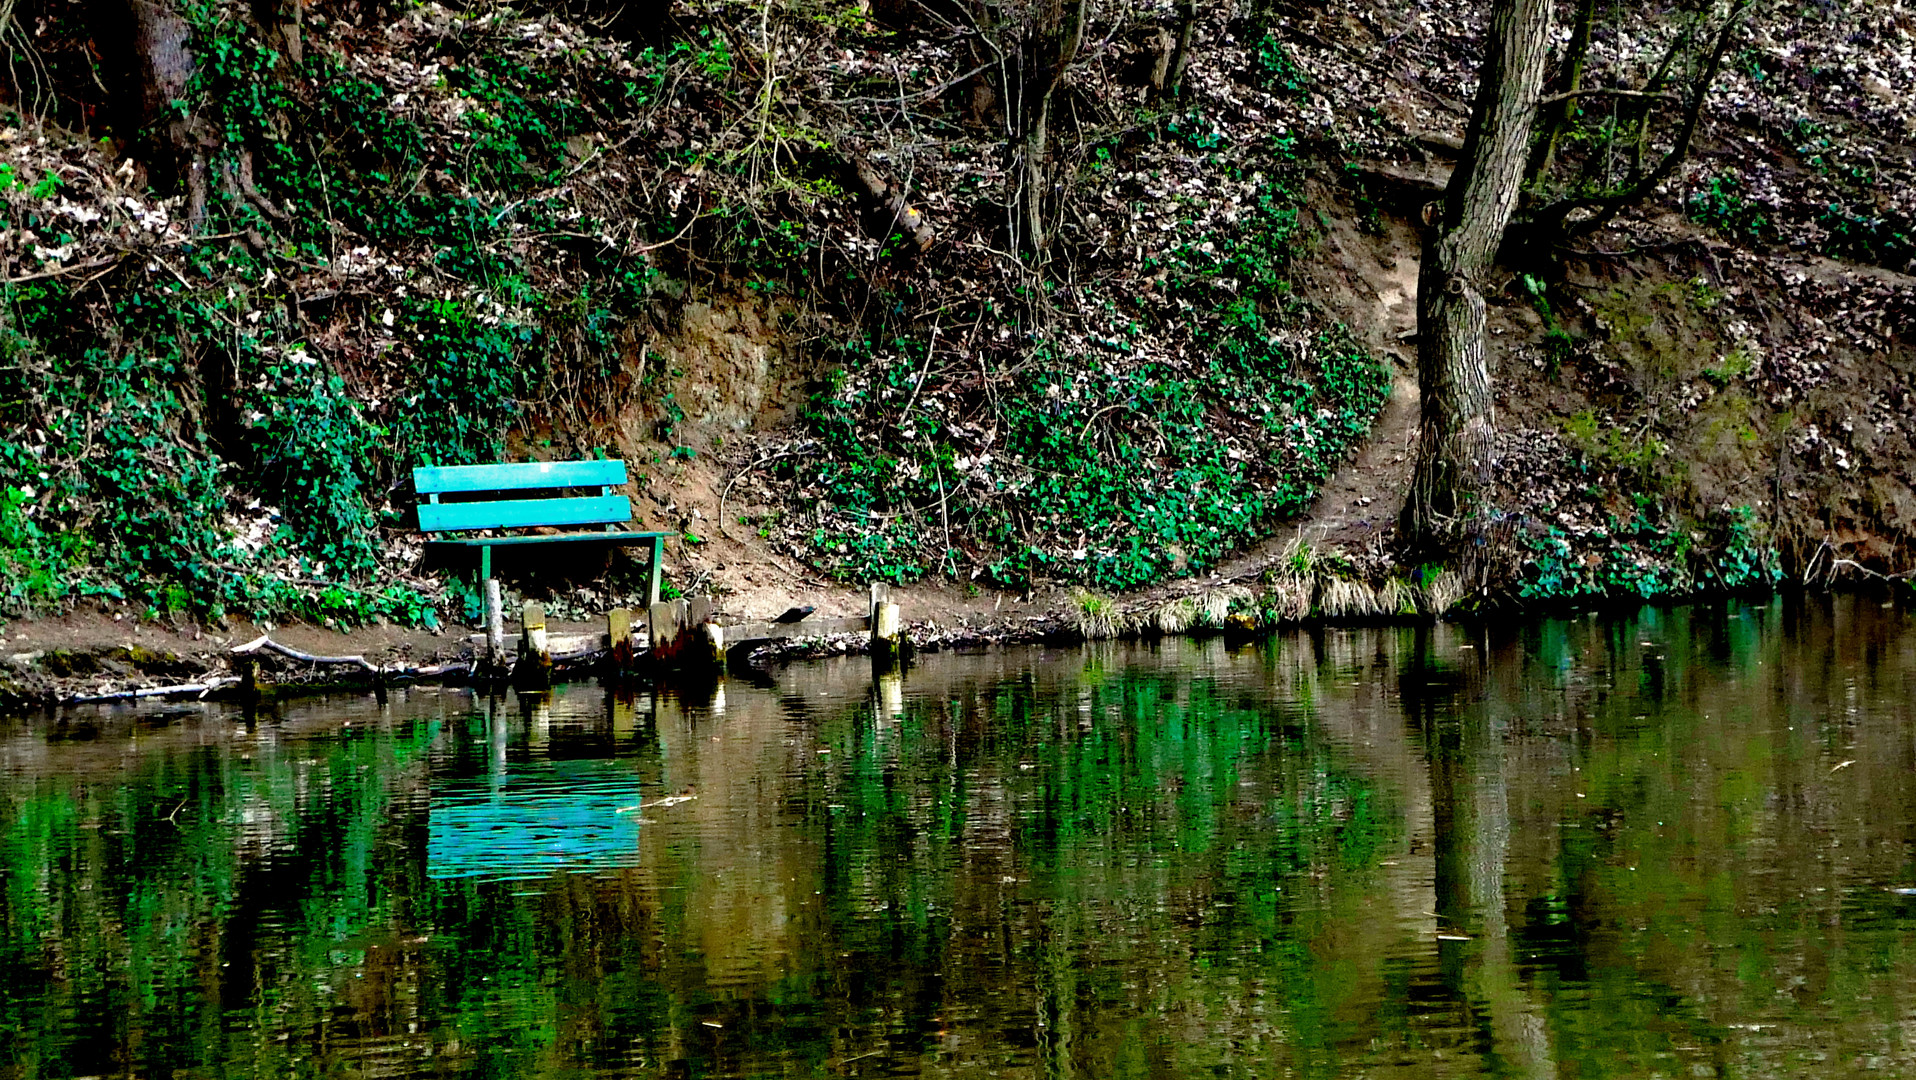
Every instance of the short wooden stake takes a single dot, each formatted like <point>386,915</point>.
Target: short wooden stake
<point>495,626</point>
<point>535,655</point>
<point>667,631</point>
<point>714,636</point>
<point>253,687</point>
<point>698,611</point>
<point>618,638</point>
<point>887,633</point>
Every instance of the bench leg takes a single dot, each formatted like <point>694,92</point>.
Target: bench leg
<point>495,626</point>
<point>658,567</point>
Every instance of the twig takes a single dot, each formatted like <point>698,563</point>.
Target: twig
<point>643,248</point>
<point>110,260</point>
<point>64,270</point>
<point>931,351</point>
<point>928,92</point>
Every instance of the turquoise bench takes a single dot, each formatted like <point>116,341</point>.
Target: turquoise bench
<point>471,498</point>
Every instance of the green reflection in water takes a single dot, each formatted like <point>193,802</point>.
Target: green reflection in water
<point>1660,845</point>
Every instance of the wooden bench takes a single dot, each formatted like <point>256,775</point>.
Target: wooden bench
<point>525,496</point>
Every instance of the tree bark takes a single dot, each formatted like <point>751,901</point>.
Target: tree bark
<point>1053,36</point>
<point>1187,29</point>
<point>280,23</point>
<point>146,49</point>
<point>1562,110</point>
<point>1453,450</point>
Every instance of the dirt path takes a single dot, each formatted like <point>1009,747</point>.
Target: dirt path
<point>1363,497</point>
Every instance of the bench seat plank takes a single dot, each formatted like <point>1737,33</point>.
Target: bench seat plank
<point>525,513</point>
<point>596,538</point>
<point>515,476</point>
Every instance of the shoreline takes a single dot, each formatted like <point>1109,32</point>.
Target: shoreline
<point>94,661</point>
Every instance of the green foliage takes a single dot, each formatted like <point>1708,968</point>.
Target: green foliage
<point>316,450</point>
<point>1649,555</point>
<point>1109,471</point>
<point>193,448</point>
<point>469,380</point>
<point>35,568</point>
<point>1276,70</point>
<point>1613,447</point>
<point>1721,205</point>
<point>1735,364</point>
<point>1881,240</point>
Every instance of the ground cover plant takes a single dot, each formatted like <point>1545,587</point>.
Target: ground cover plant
<point>1060,284</point>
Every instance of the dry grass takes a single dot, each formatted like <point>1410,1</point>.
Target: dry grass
<point>1217,604</point>
<point>1290,598</point>
<point>1396,597</point>
<point>1444,592</point>
<point>1342,598</point>
<point>1098,617</point>
<point>1176,616</point>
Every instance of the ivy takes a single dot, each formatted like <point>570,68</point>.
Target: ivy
<point>1108,472</point>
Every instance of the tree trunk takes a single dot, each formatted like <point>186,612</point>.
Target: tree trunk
<point>1558,118</point>
<point>1187,29</point>
<point>1052,39</point>
<point>280,26</point>
<point>146,49</point>
<point>1453,449</point>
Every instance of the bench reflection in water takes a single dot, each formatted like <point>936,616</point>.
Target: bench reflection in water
<point>533,820</point>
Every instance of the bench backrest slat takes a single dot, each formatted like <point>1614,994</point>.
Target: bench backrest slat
<point>524,513</point>
<point>447,479</point>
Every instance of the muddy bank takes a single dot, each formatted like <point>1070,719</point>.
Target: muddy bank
<point>83,659</point>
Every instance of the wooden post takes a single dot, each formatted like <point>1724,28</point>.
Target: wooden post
<point>535,656</point>
<point>668,631</point>
<point>495,626</point>
<point>888,638</point>
<point>253,687</point>
<point>714,636</point>
<point>618,638</point>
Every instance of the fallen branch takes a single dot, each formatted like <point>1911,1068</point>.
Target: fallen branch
<point>264,643</point>
<point>200,688</point>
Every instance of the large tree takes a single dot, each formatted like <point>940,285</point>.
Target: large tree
<point>1453,450</point>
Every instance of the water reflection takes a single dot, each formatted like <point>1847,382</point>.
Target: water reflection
<point>1659,845</point>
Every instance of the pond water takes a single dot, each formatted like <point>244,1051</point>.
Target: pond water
<point>1679,843</point>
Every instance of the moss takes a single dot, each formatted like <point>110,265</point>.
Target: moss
<point>67,663</point>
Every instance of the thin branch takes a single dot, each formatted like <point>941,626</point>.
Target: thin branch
<point>916,94</point>
<point>1610,91</point>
